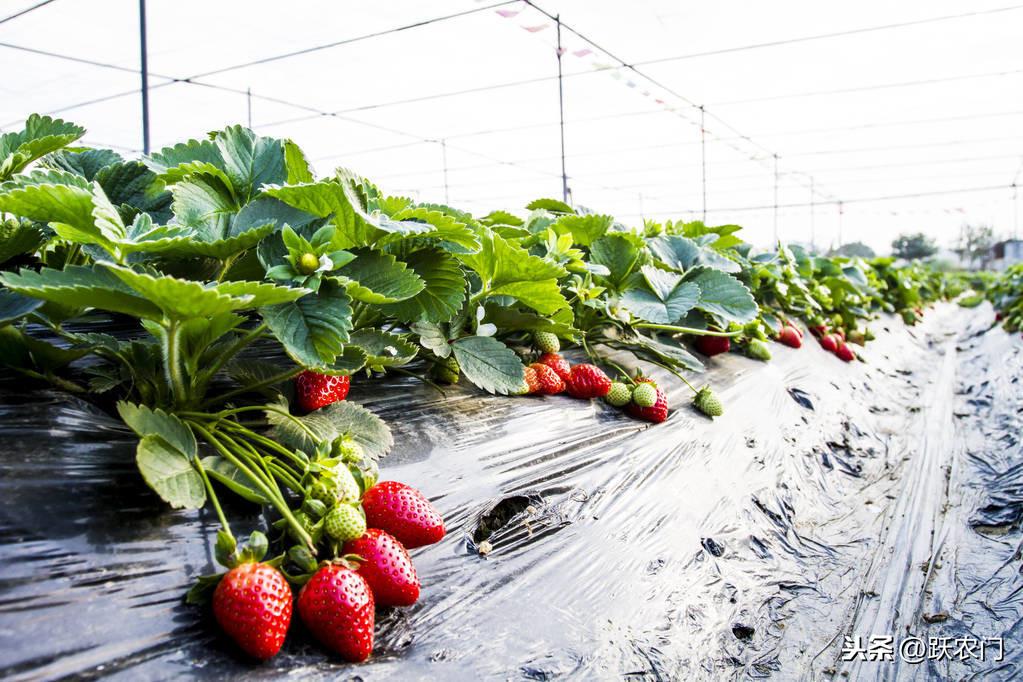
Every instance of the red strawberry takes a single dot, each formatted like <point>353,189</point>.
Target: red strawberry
<point>998,316</point>
<point>387,568</point>
<point>713,345</point>
<point>337,607</point>
<point>314,390</point>
<point>252,603</point>
<point>550,382</point>
<point>404,512</point>
<point>818,330</point>
<point>657,413</point>
<point>829,343</point>
<point>558,364</point>
<point>790,337</point>
<point>532,380</point>
<point>844,352</point>
<point>588,381</point>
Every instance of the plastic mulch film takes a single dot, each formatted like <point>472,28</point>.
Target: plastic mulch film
<point>831,500</point>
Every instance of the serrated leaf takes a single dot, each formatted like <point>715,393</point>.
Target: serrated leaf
<point>682,253</point>
<point>82,287</point>
<point>250,160</point>
<point>378,277</point>
<point>723,295</point>
<point>52,197</point>
<point>585,229</point>
<point>261,293</point>
<point>620,254</point>
<point>432,337</point>
<point>489,364</point>
<point>87,162</point>
<point>458,236</point>
<point>172,164</point>
<point>313,329</point>
<point>18,237</point>
<point>180,298</point>
<point>552,205</point>
<point>509,270</point>
<point>146,421</point>
<point>132,184</point>
<point>170,474</point>
<point>666,300</point>
<point>40,136</point>
<point>296,164</point>
<point>502,218</point>
<point>14,306</point>
<point>328,198</point>
<point>327,423</point>
<point>383,349</point>
<point>230,476</point>
<point>441,298</point>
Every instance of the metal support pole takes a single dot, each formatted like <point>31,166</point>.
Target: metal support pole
<point>1015,211</point>
<point>775,198</point>
<point>145,76</point>
<point>444,160</point>
<point>248,105</point>
<point>703,161</point>
<point>561,109</point>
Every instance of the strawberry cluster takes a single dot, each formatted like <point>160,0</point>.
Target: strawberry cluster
<point>368,532</point>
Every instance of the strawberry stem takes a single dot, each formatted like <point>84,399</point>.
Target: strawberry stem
<point>684,330</point>
<point>213,497</point>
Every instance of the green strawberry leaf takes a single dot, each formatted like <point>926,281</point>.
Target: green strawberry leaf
<point>432,337</point>
<point>313,329</point>
<point>723,295</point>
<point>82,287</point>
<point>145,421</point>
<point>172,164</point>
<point>552,205</point>
<point>622,254</point>
<point>376,277</point>
<point>502,218</point>
<point>585,229</point>
<point>169,473</point>
<point>231,477</point>
<point>181,298</point>
<point>682,253</point>
<point>457,235</point>
<point>509,270</point>
<point>40,136</point>
<point>383,349</point>
<point>14,306</point>
<point>296,163</point>
<point>18,237</point>
<point>512,319</point>
<point>250,160</point>
<point>444,290</point>
<point>328,423</point>
<point>86,162</point>
<point>666,299</point>
<point>489,364</point>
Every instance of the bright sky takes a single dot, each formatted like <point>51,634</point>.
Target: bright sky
<point>931,108</point>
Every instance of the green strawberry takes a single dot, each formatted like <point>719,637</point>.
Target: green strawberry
<point>546,342</point>
<point>344,522</point>
<point>758,350</point>
<point>708,403</point>
<point>620,394</point>
<point>644,395</point>
<point>323,491</point>
<point>348,490</point>
<point>445,371</point>
<point>347,449</point>
<point>754,330</point>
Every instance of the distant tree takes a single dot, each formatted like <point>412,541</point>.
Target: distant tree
<point>854,250</point>
<point>914,246</point>
<point>975,242</point>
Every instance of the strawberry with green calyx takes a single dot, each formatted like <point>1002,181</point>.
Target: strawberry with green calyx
<point>252,601</point>
<point>344,522</point>
<point>546,342</point>
<point>844,352</point>
<point>713,345</point>
<point>314,390</point>
<point>346,448</point>
<point>404,512</point>
<point>446,370</point>
<point>708,403</point>
<point>828,343</point>
<point>547,380</point>
<point>309,261</point>
<point>335,485</point>
<point>587,381</point>
<point>337,607</point>
<point>758,350</point>
<point>386,567</point>
<point>531,380</point>
<point>644,394</point>
<point>754,330</point>
<point>559,364</point>
<point>790,336</point>
<point>619,394</point>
